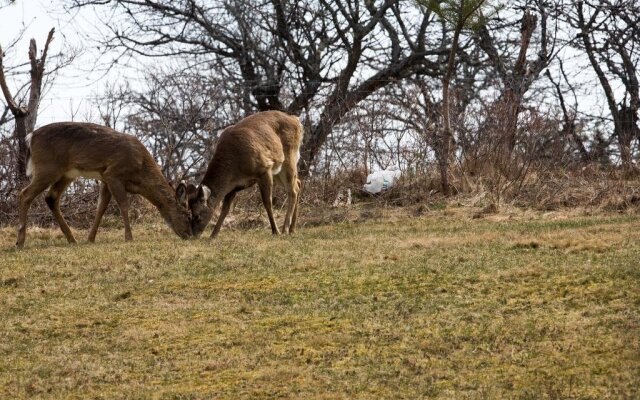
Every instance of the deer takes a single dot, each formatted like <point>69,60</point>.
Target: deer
<point>59,153</point>
<point>261,149</point>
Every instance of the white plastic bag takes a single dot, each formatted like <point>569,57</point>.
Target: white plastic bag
<point>381,180</point>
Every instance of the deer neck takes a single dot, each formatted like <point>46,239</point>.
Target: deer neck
<point>162,197</point>
<point>215,182</point>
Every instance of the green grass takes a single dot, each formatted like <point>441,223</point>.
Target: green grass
<point>441,306</point>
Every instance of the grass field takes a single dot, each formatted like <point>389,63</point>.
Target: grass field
<point>439,306</point>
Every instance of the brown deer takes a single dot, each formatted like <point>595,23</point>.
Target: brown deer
<point>61,152</point>
<point>261,148</point>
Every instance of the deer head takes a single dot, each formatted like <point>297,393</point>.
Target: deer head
<point>178,216</point>
<point>200,207</point>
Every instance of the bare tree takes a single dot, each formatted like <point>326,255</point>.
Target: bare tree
<point>607,32</point>
<point>516,74</point>
<point>25,117</point>
<point>178,115</point>
<point>294,56</point>
<point>459,14</point>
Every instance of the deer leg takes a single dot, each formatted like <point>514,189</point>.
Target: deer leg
<point>281,179</point>
<point>290,182</point>
<point>288,177</point>
<point>37,186</point>
<point>266,184</point>
<point>120,195</point>
<point>294,217</point>
<point>103,202</point>
<point>292,209</point>
<point>226,204</point>
<point>53,201</point>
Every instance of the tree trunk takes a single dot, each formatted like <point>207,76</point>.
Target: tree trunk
<point>20,133</point>
<point>312,145</point>
<point>624,143</point>
<point>626,132</point>
<point>443,161</point>
<point>446,138</point>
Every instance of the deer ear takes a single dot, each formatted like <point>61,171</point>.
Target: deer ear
<point>181,191</point>
<point>204,193</point>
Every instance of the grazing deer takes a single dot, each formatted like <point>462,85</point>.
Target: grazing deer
<point>261,148</point>
<point>61,152</point>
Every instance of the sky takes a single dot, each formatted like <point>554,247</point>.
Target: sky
<point>72,91</point>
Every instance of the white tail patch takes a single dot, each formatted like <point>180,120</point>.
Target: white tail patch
<point>301,130</point>
<point>29,167</point>
<point>27,139</point>
<point>276,169</point>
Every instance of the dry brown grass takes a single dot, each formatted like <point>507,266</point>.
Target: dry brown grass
<point>391,305</point>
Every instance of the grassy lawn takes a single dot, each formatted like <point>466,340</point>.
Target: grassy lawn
<point>439,306</point>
